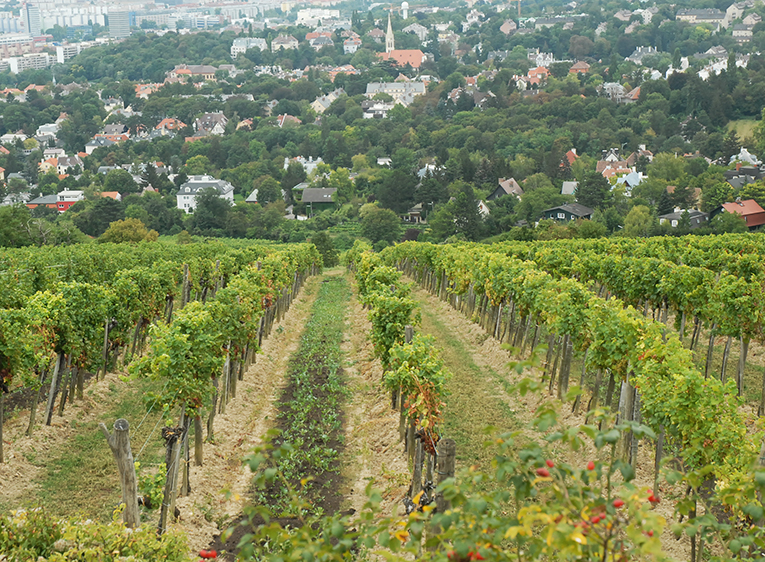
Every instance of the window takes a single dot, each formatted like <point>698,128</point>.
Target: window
<point>188,189</point>
<point>561,215</point>
<point>674,223</point>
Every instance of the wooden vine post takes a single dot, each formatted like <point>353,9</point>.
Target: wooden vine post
<point>119,443</point>
<point>447,453</point>
<point>173,438</point>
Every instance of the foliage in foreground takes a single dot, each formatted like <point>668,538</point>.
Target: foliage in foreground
<point>29,535</point>
<point>529,506</point>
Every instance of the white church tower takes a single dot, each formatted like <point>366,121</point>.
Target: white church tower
<point>389,40</point>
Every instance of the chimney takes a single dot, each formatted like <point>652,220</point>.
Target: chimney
<point>738,166</point>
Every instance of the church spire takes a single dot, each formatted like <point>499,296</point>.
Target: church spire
<point>389,40</point>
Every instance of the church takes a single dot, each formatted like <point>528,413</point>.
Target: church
<point>412,57</point>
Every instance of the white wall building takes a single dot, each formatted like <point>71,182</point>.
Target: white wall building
<point>243,44</point>
<point>187,194</point>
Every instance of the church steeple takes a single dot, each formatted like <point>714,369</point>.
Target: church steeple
<point>389,40</point>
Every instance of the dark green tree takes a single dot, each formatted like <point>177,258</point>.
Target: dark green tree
<point>326,248</point>
<point>379,224</point>
<point>210,214</point>
<point>593,190</point>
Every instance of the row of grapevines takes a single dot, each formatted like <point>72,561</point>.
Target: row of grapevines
<point>700,415</point>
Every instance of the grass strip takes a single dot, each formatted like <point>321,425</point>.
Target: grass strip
<point>472,403</point>
<point>81,476</point>
<point>310,414</point>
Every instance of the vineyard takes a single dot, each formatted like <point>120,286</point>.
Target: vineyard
<point>627,420</point>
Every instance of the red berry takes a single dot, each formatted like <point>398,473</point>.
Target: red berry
<point>653,499</point>
<point>543,472</point>
<point>591,465</point>
<point>550,463</point>
<point>650,533</point>
<point>595,519</point>
<point>618,503</point>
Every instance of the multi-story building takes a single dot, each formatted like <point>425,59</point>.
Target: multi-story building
<point>35,61</point>
<point>32,19</point>
<point>119,25</point>
<point>187,194</point>
<point>242,44</point>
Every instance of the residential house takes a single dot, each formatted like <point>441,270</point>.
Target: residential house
<point>377,35</point>
<point>569,188</point>
<point>483,209</point>
<point>112,195</point>
<point>623,15</point>
<point>115,129</point>
<point>284,42</point>
<point>63,163</point>
<point>753,214</point>
<point>318,199</point>
<point>242,44</point>
<point>50,201</point>
<point>506,186</point>
<point>374,109</point>
<point>508,27</point>
<point>538,75</point>
<point>613,91</point>
<point>401,92</point>
<point>211,123</point>
<point>742,33</point>
<point>286,119</point>
<point>641,152</point>
<point>309,165</point>
<point>568,212</point>
<point>322,103</point>
<point>696,218</point>
<point>169,126</point>
<point>743,175</point>
<point>204,71</point>
<point>320,42</point>
<point>702,15</point>
<point>580,67</point>
<point>187,194</point>
<point>351,45</point>
<point>98,142</point>
<point>47,165</point>
<point>67,198</point>
<point>639,52</point>
<point>752,19</point>
<point>143,91</point>
<point>419,30</point>
<point>632,96</point>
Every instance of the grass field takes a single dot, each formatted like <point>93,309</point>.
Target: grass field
<point>744,127</point>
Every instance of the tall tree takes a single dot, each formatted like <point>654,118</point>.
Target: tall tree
<point>593,190</point>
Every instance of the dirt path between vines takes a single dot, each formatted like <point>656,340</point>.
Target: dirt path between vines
<point>373,452</point>
<point>488,355</point>
<point>219,487</point>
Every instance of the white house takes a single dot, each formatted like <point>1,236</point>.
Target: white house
<point>242,44</point>
<point>187,194</point>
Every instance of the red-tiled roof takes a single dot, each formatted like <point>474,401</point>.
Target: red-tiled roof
<point>749,209</point>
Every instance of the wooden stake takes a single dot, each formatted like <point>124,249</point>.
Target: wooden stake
<point>119,443</point>
<point>447,452</point>
<point>53,389</point>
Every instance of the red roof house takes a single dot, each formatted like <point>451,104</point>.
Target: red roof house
<point>753,214</point>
